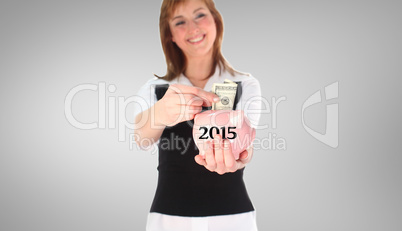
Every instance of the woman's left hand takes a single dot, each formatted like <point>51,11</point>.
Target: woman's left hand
<point>219,157</point>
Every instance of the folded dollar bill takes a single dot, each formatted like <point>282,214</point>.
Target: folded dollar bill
<point>229,81</point>
<point>227,94</point>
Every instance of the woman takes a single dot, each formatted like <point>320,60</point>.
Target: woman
<point>194,192</point>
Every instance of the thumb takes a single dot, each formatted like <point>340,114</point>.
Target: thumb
<point>243,155</point>
<point>208,97</point>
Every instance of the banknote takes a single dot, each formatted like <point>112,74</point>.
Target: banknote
<point>227,94</point>
<point>229,81</point>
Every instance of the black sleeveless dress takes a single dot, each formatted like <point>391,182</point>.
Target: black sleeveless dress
<point>186,188</point>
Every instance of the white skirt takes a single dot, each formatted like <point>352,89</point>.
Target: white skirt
<point>236,222</point>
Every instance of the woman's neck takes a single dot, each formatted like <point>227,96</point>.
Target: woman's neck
<point>198,69</point>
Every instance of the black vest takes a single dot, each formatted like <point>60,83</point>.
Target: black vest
<point>186,188</point>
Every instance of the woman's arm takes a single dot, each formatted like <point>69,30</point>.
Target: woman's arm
<point>180,103</point>
<point>147,126</point>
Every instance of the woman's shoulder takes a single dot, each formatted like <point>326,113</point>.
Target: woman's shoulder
<point>156,81</point>
<point>149,85</point>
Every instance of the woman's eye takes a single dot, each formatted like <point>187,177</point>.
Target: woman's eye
<point>179,23</point>
<point>200,15</point>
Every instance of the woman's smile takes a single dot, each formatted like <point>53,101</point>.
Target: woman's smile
<point>197,39</point>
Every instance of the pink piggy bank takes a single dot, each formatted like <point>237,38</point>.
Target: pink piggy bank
<point>232,125</point>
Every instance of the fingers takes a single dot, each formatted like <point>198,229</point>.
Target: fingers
<point>200,160</point>
<point>194,109</point>
<point>230,161</point>
<point>207,97</point>
<point>189,99</point>
<point>210,158</point>
<point>219,159</point>
<point>243,155</point>
<point>182,103</point>
<point>185,102</point>
<point>191,111</point>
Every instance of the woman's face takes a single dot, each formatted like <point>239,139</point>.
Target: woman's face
<point>193,28</point>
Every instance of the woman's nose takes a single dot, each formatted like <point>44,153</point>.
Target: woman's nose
<point>193,27</point>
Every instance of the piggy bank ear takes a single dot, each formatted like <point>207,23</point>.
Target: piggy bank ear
<point>252,136</point>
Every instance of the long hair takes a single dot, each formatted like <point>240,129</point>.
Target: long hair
<point>175,59</point>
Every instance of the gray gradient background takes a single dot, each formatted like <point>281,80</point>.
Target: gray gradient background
<point>57,177</point>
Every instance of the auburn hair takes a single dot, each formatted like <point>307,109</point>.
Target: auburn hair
<point>176,62</point>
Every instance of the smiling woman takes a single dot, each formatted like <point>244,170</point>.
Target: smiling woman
<point>195,192</point>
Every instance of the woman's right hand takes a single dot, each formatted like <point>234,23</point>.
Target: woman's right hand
<point>181,103</point>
